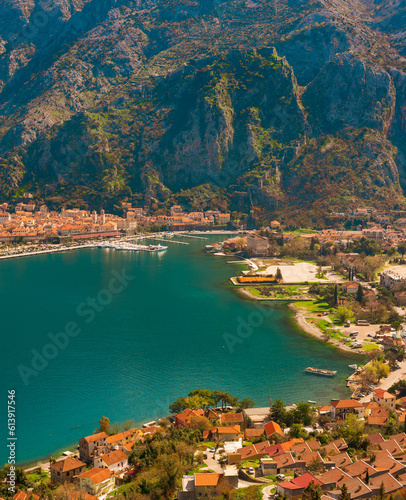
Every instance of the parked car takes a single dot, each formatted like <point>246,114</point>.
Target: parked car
<point>251,471</point>
<point>212,450</point>
<point>281,477</point>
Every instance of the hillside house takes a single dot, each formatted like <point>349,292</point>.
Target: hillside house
<point>384,399</point>
<point>97,482</point>
<point>257,245</point>
<point>114,460</point>
<point>88,445</point>
<point>340,409</point>
<point>65,471</point>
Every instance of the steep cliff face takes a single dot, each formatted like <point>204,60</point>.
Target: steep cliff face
<point>108,97</point>
<point>350,91</point>
<point>240,114</point>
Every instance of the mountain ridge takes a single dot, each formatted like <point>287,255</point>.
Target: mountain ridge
<point>147,99</point>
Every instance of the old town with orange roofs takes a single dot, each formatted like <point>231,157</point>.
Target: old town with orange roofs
<point>248,448</point>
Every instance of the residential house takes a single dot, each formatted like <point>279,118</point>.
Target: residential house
<point>385,399</point>
<point>389,482</point>
<point>222,218</point>
<point>184,419</point>
<point>205,483</point>
<point>340,409</point>
<point>350,288</point>
<point>357,490</point>
<point>286,464</point>
<point>294,489</point>
<point>257,245</point>
<point>21,495</point>
<point>341,460</point>
<point>65,471</point>
<point>250,434</point>
<point>360,469</point>
<point>401,297</point>
<point>272,428</point>
<point>231,418</point>
<point>375,233</point>
<point>378,417</point>
<point>114,460</point>
<point>257,417</point>
<point>4,217</point>
<point>391,446</point>
<point>250,452</point>
<point>392,281</point>
<point>384,462</point>
<point>229,433</point>
<point>97,482</point>
<point>88,445</point>
<point>274,450</point>
<point>375,439</point>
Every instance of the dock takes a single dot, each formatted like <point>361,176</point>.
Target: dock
<point>166,240</point>
<point>192,236</point>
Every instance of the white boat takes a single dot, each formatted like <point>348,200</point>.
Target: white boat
<point>353,367</point>
<point>156,248</point>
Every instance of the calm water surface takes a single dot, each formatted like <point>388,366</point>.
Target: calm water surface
<point>177,325</point>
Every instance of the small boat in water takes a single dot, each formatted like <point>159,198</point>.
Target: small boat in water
<point>312,402</point>
<point>320,371</point>
<point>353,367</point>
<point>156,248</point>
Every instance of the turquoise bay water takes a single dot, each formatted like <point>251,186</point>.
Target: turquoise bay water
<point>176,326</point>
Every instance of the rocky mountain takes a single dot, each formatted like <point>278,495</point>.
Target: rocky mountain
<point>283,106</point>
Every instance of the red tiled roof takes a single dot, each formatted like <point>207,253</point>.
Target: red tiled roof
<point>97,475</point>
<point>389,482</point>
<point>375,438</point>
<point>95,437</point>
<point>346,403</point>
<point>253,433</point>
<point>380,393</point>
<point>67,465</point>
<point>113,457</point>
<point>207,478</point>
<point>300,482</point>
<point>226,418</point>
<point>272,428</point>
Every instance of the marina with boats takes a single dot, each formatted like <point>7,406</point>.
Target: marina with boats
<point>125,245</point>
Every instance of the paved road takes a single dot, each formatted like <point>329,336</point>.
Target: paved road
<point>266,492</point>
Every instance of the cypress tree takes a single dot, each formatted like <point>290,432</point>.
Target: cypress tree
<point>360,293</point>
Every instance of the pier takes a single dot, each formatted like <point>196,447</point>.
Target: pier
<point>167,240</point>
<point>191,236</point>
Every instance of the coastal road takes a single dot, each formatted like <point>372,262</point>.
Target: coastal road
<point>391,379</point>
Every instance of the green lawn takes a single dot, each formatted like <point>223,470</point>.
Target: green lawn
<point>37,477</point>
<point>370,346</point>
<point>250,463</point>
<point>315,306</point>
<point>279,291</point>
